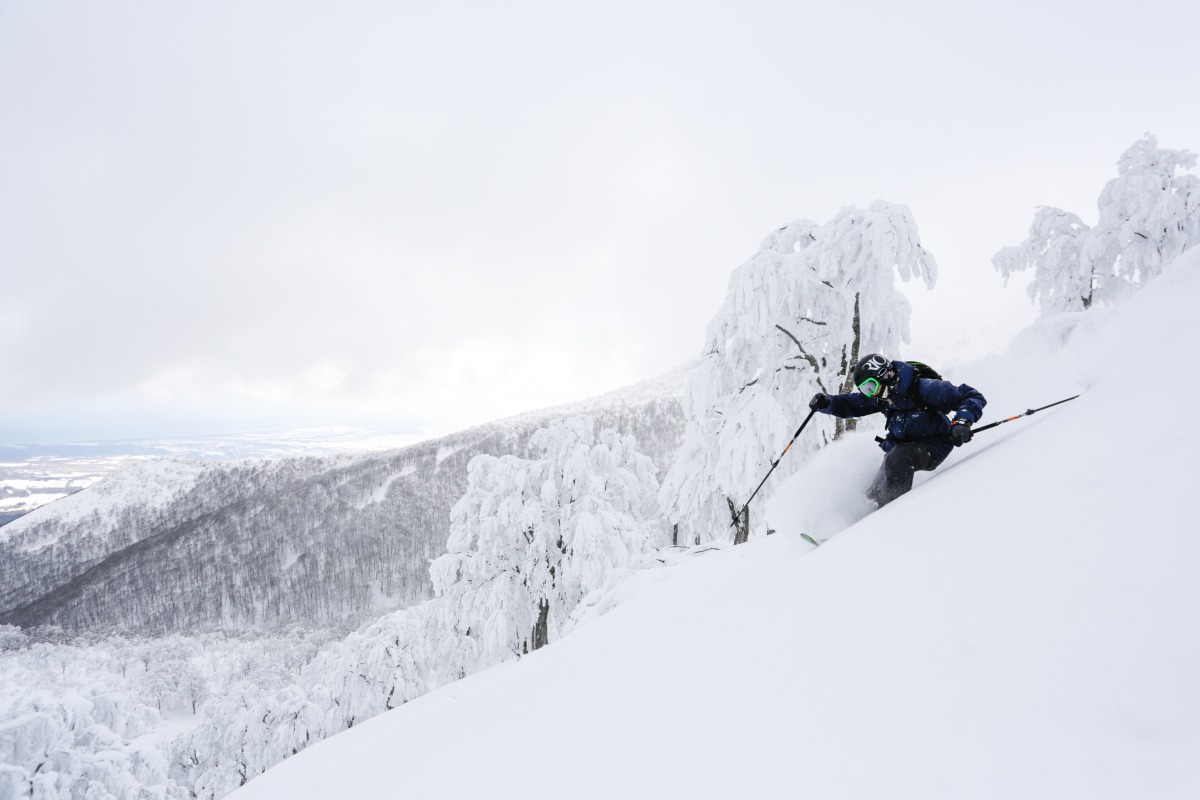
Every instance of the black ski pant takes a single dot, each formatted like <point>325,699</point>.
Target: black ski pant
<point>895,476</point>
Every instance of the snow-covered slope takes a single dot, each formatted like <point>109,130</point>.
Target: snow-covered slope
<point>1023,624</point>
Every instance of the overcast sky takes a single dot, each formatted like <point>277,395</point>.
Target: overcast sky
<point>221,216</point>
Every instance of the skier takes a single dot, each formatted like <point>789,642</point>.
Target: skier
<point>919,435</point>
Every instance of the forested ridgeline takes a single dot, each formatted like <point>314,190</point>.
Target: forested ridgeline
<point>267,544</point>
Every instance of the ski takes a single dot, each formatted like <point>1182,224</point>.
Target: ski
<point>811,540</point>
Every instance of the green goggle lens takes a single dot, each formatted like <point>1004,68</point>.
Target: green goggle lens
<point>870,387</point>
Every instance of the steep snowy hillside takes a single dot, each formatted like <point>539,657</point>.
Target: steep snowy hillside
<point>1021,625</point>
<point>172,546</point>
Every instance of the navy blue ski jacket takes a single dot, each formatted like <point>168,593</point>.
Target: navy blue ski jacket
<point>916,410</point>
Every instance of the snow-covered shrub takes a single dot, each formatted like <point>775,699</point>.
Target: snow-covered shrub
<point>797,316</point>
<point>1148,217</point>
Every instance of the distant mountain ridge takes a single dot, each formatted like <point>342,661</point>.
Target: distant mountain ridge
<point>36,474</point>
<point>173,546</point>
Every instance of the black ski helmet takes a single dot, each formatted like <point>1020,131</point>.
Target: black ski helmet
<point>874,365</point>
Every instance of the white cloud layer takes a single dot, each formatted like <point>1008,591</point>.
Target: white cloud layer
<point>229,214</point>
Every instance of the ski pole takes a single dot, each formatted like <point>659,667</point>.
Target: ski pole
<point>1026,414</point>
<point>774,464</point>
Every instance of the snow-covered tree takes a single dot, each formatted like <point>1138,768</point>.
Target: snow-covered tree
<point>532,537</point>
<point>1148,216</point>
<point>796,318</point>
<point>71,725</point>
<point>1063,278</point>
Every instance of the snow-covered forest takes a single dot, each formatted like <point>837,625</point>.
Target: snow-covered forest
<point>332,590</point>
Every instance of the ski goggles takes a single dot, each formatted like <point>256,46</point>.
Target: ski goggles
<point>870,387</point>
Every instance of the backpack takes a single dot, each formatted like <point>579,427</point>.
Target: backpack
<point>925,371</point>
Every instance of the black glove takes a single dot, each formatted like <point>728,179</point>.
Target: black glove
<point>819,401</point>
<point>960,432</point>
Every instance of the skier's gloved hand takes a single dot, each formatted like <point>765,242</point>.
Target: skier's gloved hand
<point>960,432</point>
<point>819,401</point>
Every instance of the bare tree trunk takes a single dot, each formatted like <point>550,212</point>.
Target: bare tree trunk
<point>848,364</point>
<point>856,347</point>
<point>541,629</point>
<point>741,533</point>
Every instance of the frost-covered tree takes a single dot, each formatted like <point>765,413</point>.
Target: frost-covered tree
<point>532,537</point>
<point>72,725</point>
<point>1148,216</point>
<point>796,318</point>
<point>1063,275</point>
